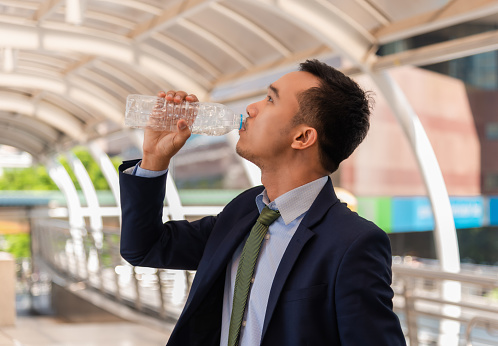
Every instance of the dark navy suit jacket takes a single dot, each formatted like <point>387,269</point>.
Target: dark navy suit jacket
<point>332,286</point>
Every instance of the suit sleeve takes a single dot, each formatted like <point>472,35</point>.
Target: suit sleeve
<point>364,295</point>
<point>145,240</point>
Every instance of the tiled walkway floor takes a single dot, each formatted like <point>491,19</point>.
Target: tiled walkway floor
<point>45,331</point>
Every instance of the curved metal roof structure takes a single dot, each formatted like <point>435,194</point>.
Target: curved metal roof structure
<point>67,66</point>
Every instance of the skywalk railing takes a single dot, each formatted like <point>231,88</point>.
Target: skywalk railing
<point>91,259</point>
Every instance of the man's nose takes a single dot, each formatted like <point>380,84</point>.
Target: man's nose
<point>252,110</point>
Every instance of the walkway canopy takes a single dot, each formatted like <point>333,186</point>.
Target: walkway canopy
<point>67,66</point>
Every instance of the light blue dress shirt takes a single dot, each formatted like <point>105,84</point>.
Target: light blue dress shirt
<point>293,206</point>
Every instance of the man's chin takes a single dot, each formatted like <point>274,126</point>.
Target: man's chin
<point>243,153</point>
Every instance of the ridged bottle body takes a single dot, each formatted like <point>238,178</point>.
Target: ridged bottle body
<point>212,119</point>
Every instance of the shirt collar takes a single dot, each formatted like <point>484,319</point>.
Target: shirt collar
<point>286,203</point>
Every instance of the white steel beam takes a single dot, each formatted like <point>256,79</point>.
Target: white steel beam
<point>107,168</point>
<point>76,220</point>
<point>438,52</point>
<point>251,26</point>
<point>90,194</point>
<point>48,113</point>
<point>216,41</point>
<point>332,27</point>
<point>52,39</point>
<point>46,8</point>
<point>456,12</point>
<point>9,59</point>
<point>92,98</point>
<point>169,17</point>
<point>181,48</point>
<point>30,126</point>
<point>137,5</point>
<point>379,15</point>
<point>125,78</point>
<point>74,11</point>
<point>63,181</point>
<point>14,138</point>
<point>87,188</point>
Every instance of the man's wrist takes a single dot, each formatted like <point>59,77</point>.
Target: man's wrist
<point>152,164</point>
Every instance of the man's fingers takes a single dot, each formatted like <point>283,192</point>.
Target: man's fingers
<point>191,98</point>
<point>179,96</point>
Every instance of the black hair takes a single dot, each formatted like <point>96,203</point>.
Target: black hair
<point>339,110</point>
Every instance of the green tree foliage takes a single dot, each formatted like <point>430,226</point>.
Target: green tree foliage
<point>37,177</point>
<point>16,244</point>
<point>32,178</point>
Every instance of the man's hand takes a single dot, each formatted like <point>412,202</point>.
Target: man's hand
<point>160,146</point>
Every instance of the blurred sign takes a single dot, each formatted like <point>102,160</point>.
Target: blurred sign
<point>411,214</point>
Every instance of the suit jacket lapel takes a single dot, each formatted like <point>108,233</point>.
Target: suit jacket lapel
<point>210,270</point>
<point>325,199</point>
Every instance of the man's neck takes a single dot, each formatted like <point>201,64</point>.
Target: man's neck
<point>278,183</point>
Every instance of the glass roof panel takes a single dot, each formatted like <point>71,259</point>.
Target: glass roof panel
<point>252,46</point>
<point>285,30</point>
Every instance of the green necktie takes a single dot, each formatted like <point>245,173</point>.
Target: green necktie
<point>245,271</point>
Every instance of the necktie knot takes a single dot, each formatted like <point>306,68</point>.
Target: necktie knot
<point>268,215</point>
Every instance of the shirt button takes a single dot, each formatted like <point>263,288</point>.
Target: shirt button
<point>267,236</point>
<point>243,323</point>
<point>252,280</point>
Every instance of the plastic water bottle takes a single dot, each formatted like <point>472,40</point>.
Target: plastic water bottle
<point>212,119</point>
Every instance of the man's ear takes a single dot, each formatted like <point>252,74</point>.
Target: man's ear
<point>304,138</point>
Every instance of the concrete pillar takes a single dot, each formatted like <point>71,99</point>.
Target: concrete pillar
<point>7,290</point>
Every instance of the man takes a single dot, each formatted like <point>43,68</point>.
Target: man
<point>322,275</point>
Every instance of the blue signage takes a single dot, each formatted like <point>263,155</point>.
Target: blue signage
<point>493,211</point>
<point>413,214</point>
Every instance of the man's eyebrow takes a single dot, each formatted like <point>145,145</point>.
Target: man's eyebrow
<point>274,90</point>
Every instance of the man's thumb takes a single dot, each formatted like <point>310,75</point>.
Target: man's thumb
<point>183,129</point>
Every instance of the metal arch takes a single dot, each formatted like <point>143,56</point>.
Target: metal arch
<point>109,18</point>
<point>179,47</point>
<point>216,41</point>
<point>47,8</point>
<point>333,29</point>
<point>126,78</point>
<point>34,38</point>
<point>63,181</point>
<point>31,127</point>
<point>76,94</point>
<point>102,82</point>
<point>90,194</point>
<point>138,5</point>
<point>438,52</point>
<point>108,170</point>
<point>153,61</point>
<point>445,233</point>
<point>169,17</point>
<point>15,138</point>
<point>76,221</point>
<point>375,12</point>
<point>45,112</point>
<point>457,11</point>
<point>244,21</point>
